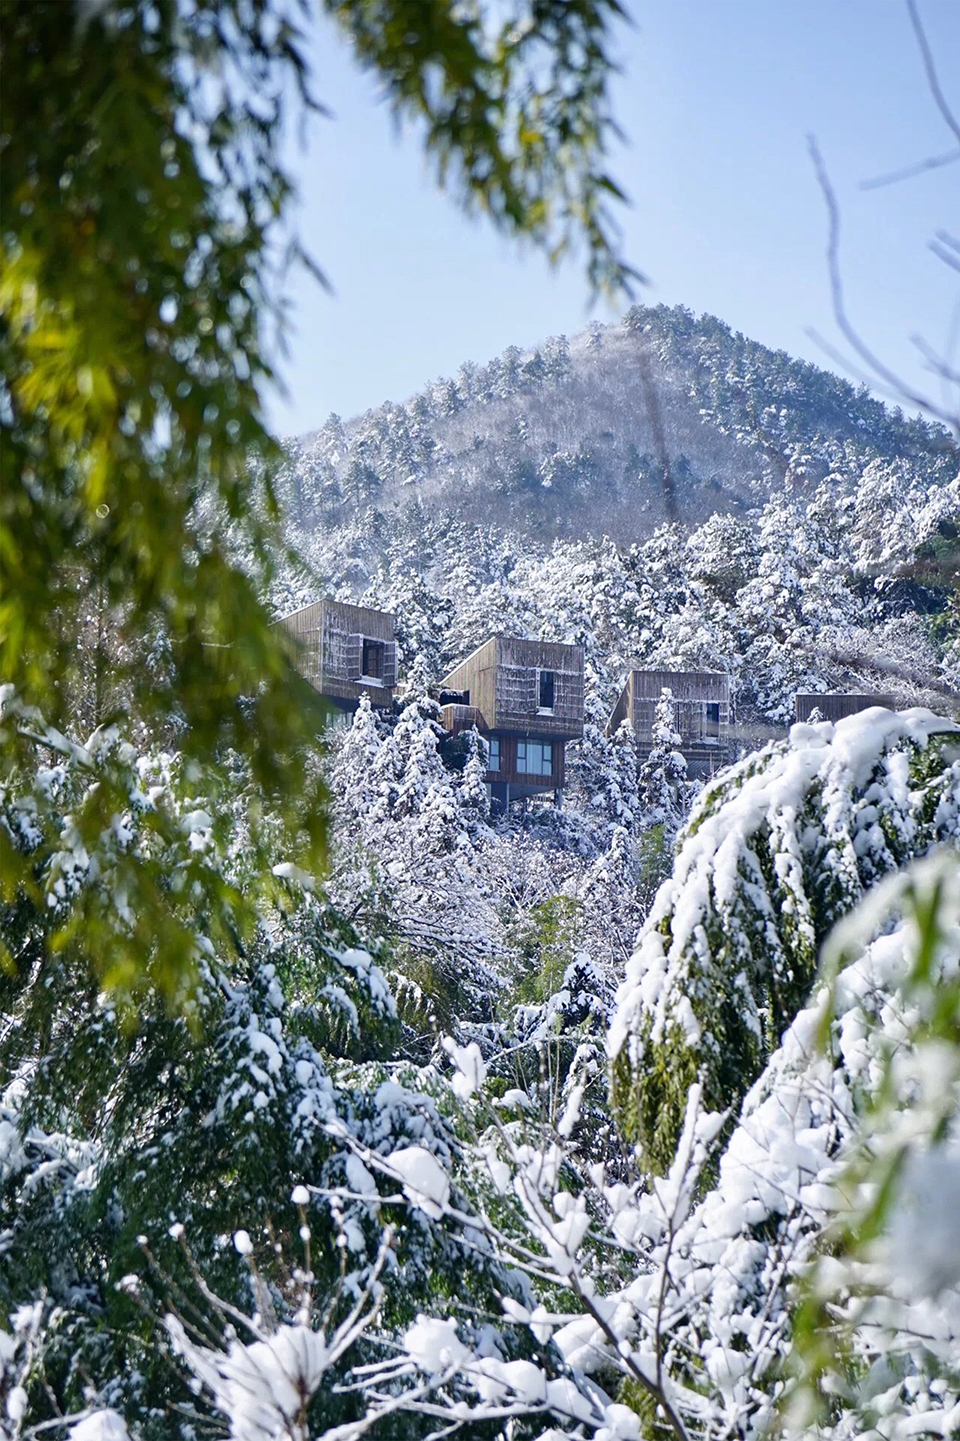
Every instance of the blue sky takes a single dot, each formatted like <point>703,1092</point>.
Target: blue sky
<point>716,99</point>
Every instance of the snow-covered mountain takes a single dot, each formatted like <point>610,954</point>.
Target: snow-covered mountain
<point>813,544</point>
<point>574,438</point>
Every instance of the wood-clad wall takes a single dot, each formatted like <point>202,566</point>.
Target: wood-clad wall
<point>518,665</point>
<point>477,674</point>
<point>836,705</point>
<point>502,680</point>
<point>705,685</point>
<point>331,634</point>
<point>692,691</point>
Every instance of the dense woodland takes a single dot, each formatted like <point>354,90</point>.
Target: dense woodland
<point>635,1118</point>
<point>333,1103</point>
<point>812,530</point>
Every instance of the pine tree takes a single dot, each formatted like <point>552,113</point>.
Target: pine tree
<point>421,677</point>
<point>557,358</point>
<point>663,773</point>
<point>508,379</point>
<point>416,738</point>
<point>534,371</point>
<point>355,771</point>
<point>776,850</point>
<point>447,399</point>
<point>472,796</point>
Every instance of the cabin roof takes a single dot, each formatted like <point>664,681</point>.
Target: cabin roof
<point>466,660</point>
<point>328,602</point>
<point>539,649</point>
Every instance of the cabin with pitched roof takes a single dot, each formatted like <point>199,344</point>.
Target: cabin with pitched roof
<point>346,651</point>
<point>701,714</point>
<point>526,698</point>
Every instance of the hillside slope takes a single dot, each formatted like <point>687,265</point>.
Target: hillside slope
<point>814,545</point>
<point>573,438</point>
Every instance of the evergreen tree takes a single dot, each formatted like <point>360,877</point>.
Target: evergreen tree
<point>776,850</point>
<point>557,358</point>
<point>508,380</point>
<point>361,484</point>
<point>663,773</point>
<point>472,796</point>
<point>355,774</point>
<point>416,738</point>
<point>533,370</point>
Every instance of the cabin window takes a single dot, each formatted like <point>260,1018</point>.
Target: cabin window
<point>534,758</point>
<point>712,728</point>
<point>547,687</point>
<point>371,660</point>
<point>493,762</point>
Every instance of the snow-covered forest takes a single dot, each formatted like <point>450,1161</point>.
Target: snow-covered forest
<point>811,544</point>
<point>635,1118</point>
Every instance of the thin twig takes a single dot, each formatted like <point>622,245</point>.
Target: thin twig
<point>850,334</point>
<point>930,69</point>
<point>933,162</point>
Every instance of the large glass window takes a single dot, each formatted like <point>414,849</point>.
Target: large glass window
<point>534,758</point>
<point>371,660</point>
<point>547,687</point>
<point>712,726</point>
<point>493,763</point>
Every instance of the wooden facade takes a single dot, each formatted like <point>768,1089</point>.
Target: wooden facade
<point>834,705</point>
<point>701,714</point>
<point>346,651</point>
<point>526,697</point>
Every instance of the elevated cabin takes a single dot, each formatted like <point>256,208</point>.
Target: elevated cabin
<point>701,714</point>
<point>834,705</point>
<point>347,651</point>
<point>526,697</point>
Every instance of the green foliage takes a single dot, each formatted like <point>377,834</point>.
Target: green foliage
<point>545,941</point>
<point>860,1302</point>
<point>140,200</point>
<point>205,1116</point>
<point>655,854</point>
<point>773,856</point>
<point>144,249</point>
<point>337,995</point>
<point>432,992</point>
<point>122,859</point>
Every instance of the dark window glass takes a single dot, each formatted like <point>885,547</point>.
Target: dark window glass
<point>493,764</point>
<point>546,689</point>
<point>371,662</point>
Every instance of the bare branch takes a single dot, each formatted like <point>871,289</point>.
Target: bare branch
<point>651,401</point>
<point>931,70</point>
<point>936,362</point>
<point>847,329</point>
<point>933,162</point>
<point>943,247</point>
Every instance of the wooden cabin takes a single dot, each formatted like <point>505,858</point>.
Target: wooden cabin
<point>701,714</point>
<point>834,705</point>
<point>526,697</point>
<point>347,651</point>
